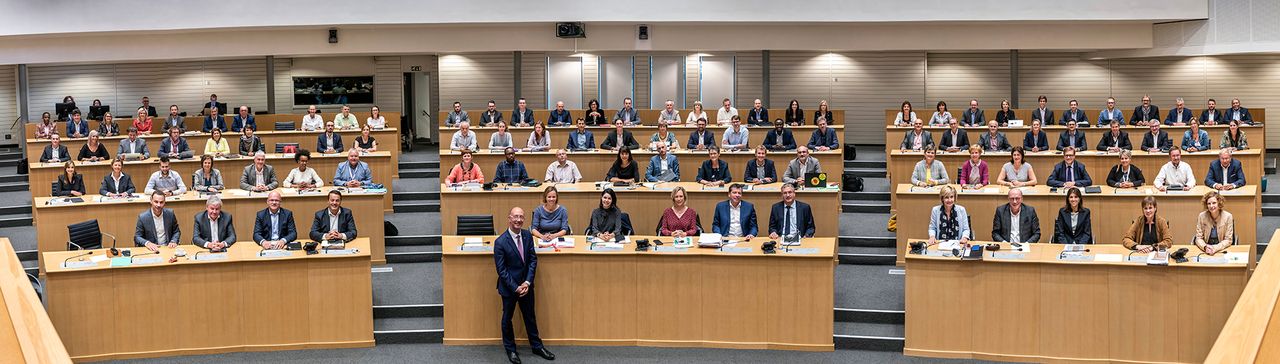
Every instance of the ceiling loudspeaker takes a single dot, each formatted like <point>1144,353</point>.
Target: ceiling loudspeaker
<point>571,30</point>
<point>333,35</point>
<point>642,32</point>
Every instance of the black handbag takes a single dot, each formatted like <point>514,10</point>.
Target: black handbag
<point>850,152</point>
<point>851,183</point>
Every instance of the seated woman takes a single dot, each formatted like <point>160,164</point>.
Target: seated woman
<point>663,136</point>
<point>1036,139</point>
<point>365,142</point>
<point>465,171</point>
<point>930,171</point>
<point>303,177</point>
<point>624,169</point>
<point>69,183</point>
<point>1125,174</point>
<point>1215,227</point>
<point>207,178</point>
<point>539,139</point>
<point>551,220</point>
<point>606,220</point>
<point>108,127</point>
<point>760,169</point>
<point>679,220</point>
<point>93,150</point>
<point>1148,232</point>
<point>714,172</point>
<point>500,139</point>
<point>1073,225</point>
<point>973,173</point>
<point>941,117</point>
<point>117,183</point>
<point>216,145</point>
<point>1017,172</point>
<point>375,119</point>
<point>1234,138</point>
<point>948,221</point>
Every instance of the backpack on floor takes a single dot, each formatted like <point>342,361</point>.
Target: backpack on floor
<point>851,183</point>
<point>22,166</point>
<point>389,229</point>
<point>850,152</point>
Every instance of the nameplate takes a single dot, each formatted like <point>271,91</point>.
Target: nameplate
<point>545,249</point>
<point>606,248</point>
<point>670,249</point>
<point>202,257</point>
<point>1076,258</point>
<point>148,260</point>
<point>799,251</point>
<point>274,253</point>
<point>736,250</point>
<point>938,253</point>
<point>341,251</point>
<point>475,248</point>
<point>1008,255</point>
<point>1137,258</point>
<point>1211,260</point>
<point>79,264</point>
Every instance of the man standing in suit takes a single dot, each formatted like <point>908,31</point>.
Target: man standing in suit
<point>214,229</point>
<point>1072,138</point>
<point>619,139</point>
<point>1042,112</point>
<point>581,139</point>
<point>955,139</point>
<point>522,115</point>
<point>516,261</point>
<point>273,227</point>
<point>259,176</point>
<point>1115,140</point>
<point>973,116</point>
<point>790,217</point>
<point>1015,222</point>
<point>55,152</point>
<point>1074,115</point>
<point>157,226</point>
<point>1157,141</point>
<point>735,217</point>
<point>1069,173</point>
<point>803,164</point>
<point>993,140</point>
<point>1227,174</point>
<point>334,224</point>
<point>1144,113</point>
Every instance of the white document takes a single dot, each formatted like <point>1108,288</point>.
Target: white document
<point>949,245</point>
<point>98,258</point>
<point>472,241</point>
<point>1111,258</point>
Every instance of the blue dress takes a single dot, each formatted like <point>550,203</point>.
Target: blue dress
<point>550,222</point>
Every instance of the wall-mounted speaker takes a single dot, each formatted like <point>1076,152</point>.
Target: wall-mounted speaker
<point>333,35</point>
<point>643,32</point>
<point>571,30</point>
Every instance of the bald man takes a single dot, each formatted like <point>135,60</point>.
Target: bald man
<point>1015,222</point>
<point>516,261</point>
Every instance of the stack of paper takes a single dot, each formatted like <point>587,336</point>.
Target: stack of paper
<point>711,240</point>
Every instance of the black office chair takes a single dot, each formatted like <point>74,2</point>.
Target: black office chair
<point>475,225</point>
<point>284,126</point>
<point>627,228</point>
<point>86,235</point>
<point>35,285</point>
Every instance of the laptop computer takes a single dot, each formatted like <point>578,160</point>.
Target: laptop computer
<point>815,180</point>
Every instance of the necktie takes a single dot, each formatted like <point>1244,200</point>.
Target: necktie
<point>786,224</point>
<point>1071,174</point>
<point>519,247</point>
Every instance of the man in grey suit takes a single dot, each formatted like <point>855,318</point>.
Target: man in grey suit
<point>801,165</point>
<point>1015,222</point>
<point>334,224</point>
<point>259,176</point>
<point>214,229</point>
<point>917,138</point>
<point>157,226</point>
<point>133,145</point>
<point>973,116</point>
<point>993,140</point>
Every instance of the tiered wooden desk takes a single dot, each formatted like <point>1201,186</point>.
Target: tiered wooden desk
<point>1112,212</point>
<point>1041,309</point>
<point>644,204</point>
<point>642,133</point>
<point>594,165</point>
<point>647,116</point>
<point>119,217</point>
<point>26,333</point>
<point>1250,335</point>
<point>242,303</point>
<point>691,298</point>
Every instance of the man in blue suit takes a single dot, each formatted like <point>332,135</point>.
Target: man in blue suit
<point>701,139</point>
<point>334,223</point>
<point>1179,115</point>
<point>663,167</point>
<point>1074,115</point>
<point>522,115</point>
<point>242,120</point>
<point>780,139</point>
<point>790,217</point>
<point>77,127</point>
<point>1233,176</point>
<point>1072,138</point>
<point>735,217</point>
<point>581,139</point>
<point>516,260</point>
<point>213,120</point>
<point>328,141</point>
<point>274,227</point>
<point>1069,173</point>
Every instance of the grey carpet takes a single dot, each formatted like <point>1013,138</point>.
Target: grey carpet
<point>408,283</point>
<point>416,223</point>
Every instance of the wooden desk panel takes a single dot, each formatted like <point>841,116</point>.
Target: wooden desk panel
<point>265,122</point>
<point>647,116</point>
<point>120,217</point>
<point>1256,135</point>
<point>560,135</point>
<point>1041,309</point>
<point>589,298</point>
<point>26,333</point>
<point>97,308</point>
<point>644,205</point>
<point>1111,212</point>
<point>594,165</point>
<point>1259,114</point>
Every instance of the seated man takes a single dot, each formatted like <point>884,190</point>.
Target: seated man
<point>456,116</point>
<point>212,121</point>
<point>165,181</point>
<point>522,115</point>
<point>175,146</point>
<point>1238,113</point>
<point>563,170</point>
<point>157,226</point>
<point>313,121</point>
<point>335,224</point>
<point>736,137</point>
<point>274,227</point>
<point>1072,138</point>
<point>1145,113</point>
<point>175,118</point>
<point>735,217</point>
<point>259,176</point>
<point>329,142</point>
<point>800,166</point>
<point>510,170</point>
<point>824,138</point>
<point>994,140</point>
<point>1015,222</point>
<point>627,113</point>
<point>55,152</point>
<point>760,169</point>
<point>790,217</point>
<point>917,138</point>
<point>1115,140</point>
<point>353,173</point>
<point>1179,115</point>
<point>242,120</point>
<point>1157,141</point>
<point>758,115</point>
<point>1069,173</point>
<point>1211,115</point>
<point>1074,115</point>
<point>1227,174</point>
<point>663,167</point>
<point>954,139</point>
<point>133,147</point>
<point>1175,174</point>
<point>463,139</point>
<point>701,138</point>
<point>581,138</point>
<point>560,116</point>
<point>214,228</point>
<point>780,139</point>
<point>77,127</point>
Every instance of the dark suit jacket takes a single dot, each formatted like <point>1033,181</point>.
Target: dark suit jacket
<point>1116,175</point>
<point>1045,119</point>
<point>1003,117</point>
<point>720,223</point>
<point>1041,141</point>
<point>961,139</point>
<point>611,141</point>
<point>1064,234</point>
<point>167,147</point>
<point>828,139</point>
<point>108,184</point>
<point>63,187</point>
<point>1163,142</point>
<point>528,116</point>
<point>215,121</point>
<point>1217,116</point>
<point>346,224</point>
<point>1029,224</point>
<point>573,141</point>
<point>226,229</point>
<point>145,230</point>
<point>769,171</point>
<point>72,127</point>
<point>63,154</point>
<point>721,173</point>
<point>1138,116</point>
<point>238,124</point>
<point>151,110</point>
<point>1079,114</point>
<point>1173,116</point>
<point>804,218</point>
<point>1235,174</point>
<point>512,270</point>
<point>763,119</point>
<point>1108,140</point>
<point>708,139</point>
<point>337,142</point>
<point>1059,175</point>
<point>972,118</point>
<point>486,118</point>
<point>1080,143</point>
<point>787,142</point>
<point>1002,143</point>
<point>262,226</point>
<point>1244,115</point>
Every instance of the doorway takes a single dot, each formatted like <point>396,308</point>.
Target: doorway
<point>417,105</point>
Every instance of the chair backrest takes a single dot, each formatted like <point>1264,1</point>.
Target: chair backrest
<point>85,234</point>
<point>284,125</point>
<point>475,225</point>
<point>280,147</point>
<point>627,228</point>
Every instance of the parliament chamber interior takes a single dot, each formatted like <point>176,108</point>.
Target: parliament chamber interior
<point>827,181</point>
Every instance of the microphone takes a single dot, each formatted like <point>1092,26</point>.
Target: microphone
<point>1063,254</point>
<point>138,255</point>
<point>64,261</point>
<point>205,250</point>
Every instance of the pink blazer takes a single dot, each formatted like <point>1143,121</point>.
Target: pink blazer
<point>965,169</point>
